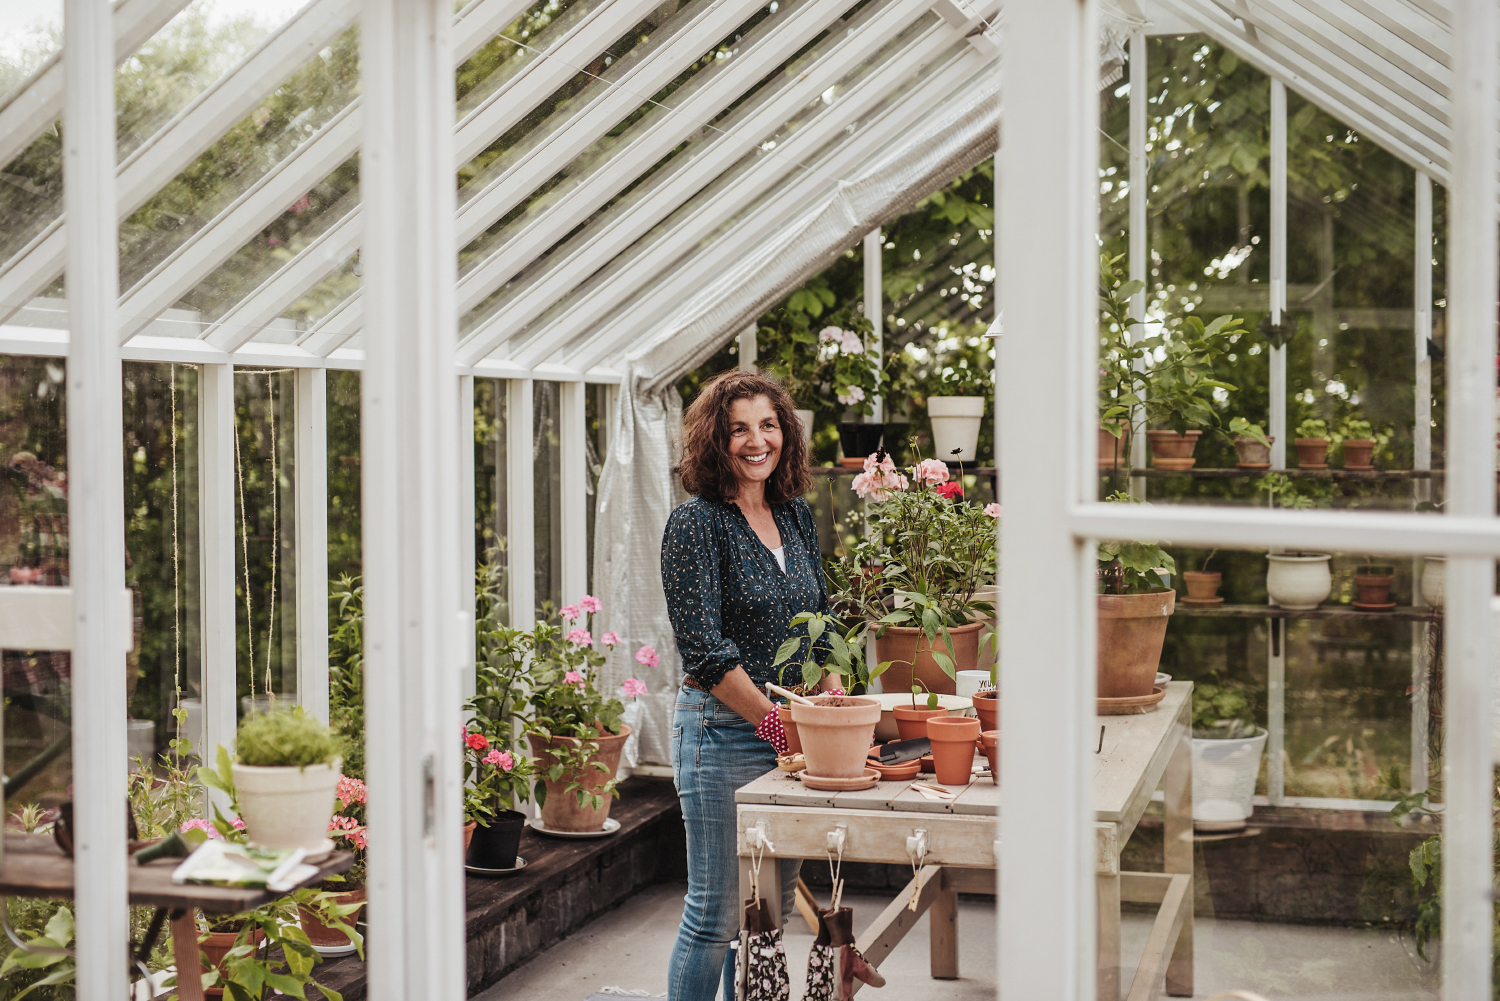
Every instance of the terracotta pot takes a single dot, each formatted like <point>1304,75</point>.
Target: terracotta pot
<point>1357,453</point>
<point>1202,586</point>
<point>1114,453</point>
<point>953,745</point>
<point>1132,628</point>
<point>900,644</point>
<point>468,835</point>
<point>1252,454</point>
<point>321,934</point>
<point>1170,450</point>
<point>789,726</point>
<point>561,812</point>
<point>216,946</point>
<point>987,709</point>
<point>911,722</point>
<point>1312,453</point>
<point>989,740</point>
<point>836,732</point>
<point>1298,580</point>
<point>1374,588</point>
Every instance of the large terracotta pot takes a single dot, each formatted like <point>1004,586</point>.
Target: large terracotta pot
<point>1312,453</point>
<point>1357,452</point>
<point>900,644</point>
<point>1171,450</point>
<point>987,708</point>
<point>561,812</point>
<point>911,721</point>
<point>216,946</point>
<point>954,740</point>
<point>1132,628</point>
<point>836,732</point>
<point>322,935</point>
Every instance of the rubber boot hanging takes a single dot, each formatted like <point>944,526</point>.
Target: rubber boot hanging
<point>821,966</point>
<point>852,964</point>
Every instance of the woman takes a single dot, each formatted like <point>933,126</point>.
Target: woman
<point>738,561</point>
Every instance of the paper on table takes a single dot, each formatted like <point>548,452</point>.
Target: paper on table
<point>234,864</point>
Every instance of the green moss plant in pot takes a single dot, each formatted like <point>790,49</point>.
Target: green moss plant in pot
<point>286,775</point>
<point>1133,610</point>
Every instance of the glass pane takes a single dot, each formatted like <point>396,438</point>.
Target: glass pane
<point>597,417</point>
<point>266,555</point>
<point>491,514</point>
<point>29,34</point>
<point>547,462</point>
<point>345,545</point>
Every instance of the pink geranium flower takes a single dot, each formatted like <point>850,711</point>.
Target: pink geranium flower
<point>351,790</point>
<point>573,678</point>
<point>611,638</point>
<point>199,824</point>
<point>993,510</point>
<point>633,688</point>
<point>930,471</point>
<point>501,759</point>
<point>581,637</point>
<point>647,655</point>
<point>569,613</point>
<point>477,741</point>
<point>952,491</point>
<point>590,604</point>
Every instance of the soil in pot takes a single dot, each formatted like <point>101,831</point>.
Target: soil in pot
<point>1252,454</point>
<point>1357,452</point>
<point>1202,587</point>
<point>1114,453</point>
<point>911,722</point>
<point>836,732</point>
<point>989,740</point>
<point>216,946</point>
<point>494,845</point>
<point>953,745</point>
<point>908,646</point>
<point>1374,588</point>
<point>322,935</point>
<point>789,727</point>
<point>1312,453</point>
<point>1170,450</point>
<point>859,440</point>
<point>987,709</point>
<point>1132,628</point>
<point>561,812</point>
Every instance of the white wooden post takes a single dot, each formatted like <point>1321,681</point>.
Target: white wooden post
<point>1276,630</point>
<point>1468,838</point>
<point>749,348</point>
<point>96,501</point>
<point>520,497</point>
<point>220,677</point>
<point>1421,459</point>
<point>573,453</point>
<point>1047,231</point>
<point>410,470</point>
<point>466,526</point>
<point>1140,250</point>
<point>311,485</point>
<point>875,307</point>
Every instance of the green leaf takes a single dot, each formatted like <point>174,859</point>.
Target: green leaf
<point>946,663</point>
<point>60,926</point>
<point>811,673</point>
<point>788,648</point>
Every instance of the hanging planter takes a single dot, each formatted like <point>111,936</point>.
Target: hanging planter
<point>286,779</point>
<point>1298,581</point>
<point>1171,450</point>
<point>955,426</point>
<point>858,441</point>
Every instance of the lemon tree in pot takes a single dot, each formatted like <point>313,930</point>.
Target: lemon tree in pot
<point>1133,609</point>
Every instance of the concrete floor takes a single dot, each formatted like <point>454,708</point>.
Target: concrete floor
<point>628,949</point>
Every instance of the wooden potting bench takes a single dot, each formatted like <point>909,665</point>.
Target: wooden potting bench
<point>953,847</point>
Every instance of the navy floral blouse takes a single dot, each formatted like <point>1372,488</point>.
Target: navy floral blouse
<point>729,601</point>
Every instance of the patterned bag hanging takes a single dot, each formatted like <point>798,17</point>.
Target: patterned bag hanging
<point>822,966</point>
<point>760,960</point>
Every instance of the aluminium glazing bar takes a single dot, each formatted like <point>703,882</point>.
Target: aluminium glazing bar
<point>468,642</point>
<point>96,504</point>
<point>218,541</point>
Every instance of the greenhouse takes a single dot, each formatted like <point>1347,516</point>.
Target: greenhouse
<point>712,423</point>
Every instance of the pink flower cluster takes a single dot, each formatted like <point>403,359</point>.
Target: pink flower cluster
<point>590,604</point>
<point>647,655</point>
<point>848,341</point>
<point>880,479</point>
<point>611,638</point>
<point>199,824</point>
<point>930,471</point>
<point>350,830</point>
<point>501,759</point>
<point>633,688</point>
<point>581,637</point>
<point>350,791</point>
<point>574,678</point>
<point>993,510</point>
<point>569,613</point>
<point>587,605</point>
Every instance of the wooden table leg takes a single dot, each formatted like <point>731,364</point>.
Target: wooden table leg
<point>1177,787</point>
<point>185,955</point>
<point>1109,937</point>
<point>943,919</point>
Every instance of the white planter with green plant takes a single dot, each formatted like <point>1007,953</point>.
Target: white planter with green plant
<point>286,775</point>
<point>1227,748</point>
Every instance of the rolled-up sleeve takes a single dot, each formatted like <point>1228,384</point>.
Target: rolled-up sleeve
<point>690,578</point>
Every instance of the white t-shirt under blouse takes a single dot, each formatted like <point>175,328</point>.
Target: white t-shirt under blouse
<point>780,553</point>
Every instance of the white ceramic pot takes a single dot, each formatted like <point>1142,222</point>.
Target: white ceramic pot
<point>955,425</point>
<point>1298,580</point>
<point>286,807</point>
<point>806,417</point>
<point>1434,579</point>
<point>1224,773</point>
<point>968,682</point>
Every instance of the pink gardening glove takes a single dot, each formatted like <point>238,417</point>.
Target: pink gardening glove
<point>772,732</point>
<point>835,691</point>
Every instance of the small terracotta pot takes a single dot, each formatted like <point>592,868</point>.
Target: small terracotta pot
<point>836,732</point>
<point>1252,454</point>
<point>987,708</point>
<point>1202,587</point>
<point>1357,452</point>
<point>561,812</point>
<point>1132,628</point>
<point>1114,452</point>
<point>789,727</point>
<point>1170,450</point>
<point>1312,453</point>
<point>1374,589</point>
<point>216,946</point>
<point>953,745</point>
<point>989,740</point>
<point>468,835</point>
<point>908,646</point>
<point>321,934</point>
<point>911,722</point>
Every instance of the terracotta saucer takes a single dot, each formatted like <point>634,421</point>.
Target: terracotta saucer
<point>1252,465</point>
<point>1362,469</point>
<point>1312,465</point>
<point>1177,465</point>
<point>1373,608</point>
<point>892,773</point>
<point>1132,706</point>
<point>1217,599</point>
<point>865,781</point>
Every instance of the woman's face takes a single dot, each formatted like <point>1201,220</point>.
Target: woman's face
<point>754,439</point>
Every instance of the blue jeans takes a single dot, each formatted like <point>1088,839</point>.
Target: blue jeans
<point>714,752</point>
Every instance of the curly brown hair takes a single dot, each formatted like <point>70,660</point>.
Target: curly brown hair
<point>705,465</point>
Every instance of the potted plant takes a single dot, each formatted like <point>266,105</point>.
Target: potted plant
<point>1133,608</point>
<point>1227,747</point>
<point>286,775</point>
<point>1358,443</point>
<point>911,721</point>
<point>347,892</point>
<point>495,780</point>
<point>835,733</point>
<point>1374,585</point>
<point>1202,585</point>
<point>955,406</point>
<point>1312,444</point>
<point>1251,443</point>
<point>857,378</point>
<point>1299,580</point>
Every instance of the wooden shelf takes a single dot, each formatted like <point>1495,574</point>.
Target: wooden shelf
<point>1336,474</point>
<point>1404,613</point>
<point>841,471</point>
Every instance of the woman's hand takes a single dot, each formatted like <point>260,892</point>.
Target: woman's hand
<point>739,693</point>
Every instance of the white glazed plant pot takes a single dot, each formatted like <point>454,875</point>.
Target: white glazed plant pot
<point>1224,773</point>
<point>806,417</point>
<point>1434,580</point>
<point>955,425</point>
<point>287,807</point>
<point>1299,581</point>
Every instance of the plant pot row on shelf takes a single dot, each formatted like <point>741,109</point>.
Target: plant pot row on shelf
<point>1300,581</point>
<point>1173,450</point>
